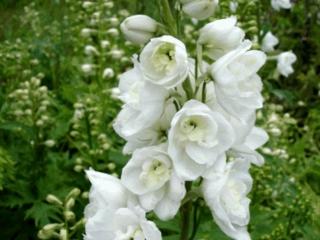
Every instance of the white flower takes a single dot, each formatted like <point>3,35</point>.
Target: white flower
<point>138,29</point>
<point>199,9</point>
<point>113,212</point>
<point>164,61</point>
<point>269,42</point>
<point>238,87</point>
<point>131,223</point>
<point>144,104</point>
<point>154,134</point>
<point>107,195</point>
<point>285,61</point>
<point>150,175</point>
<point>255,139</point>
<point>221,36</point>
<point>198,139</point>
<point>225,194</point>
<point>277,4</point>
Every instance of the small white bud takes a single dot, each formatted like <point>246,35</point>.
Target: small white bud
<point>199,9</point>
<point>49,143</point>
<point>108,73</point>
<point>105,44</point>
<point>91,50</point>
<point>87,68</point>
<point>113,32</point>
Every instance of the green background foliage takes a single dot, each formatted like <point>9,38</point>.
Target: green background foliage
<point>41,41</point>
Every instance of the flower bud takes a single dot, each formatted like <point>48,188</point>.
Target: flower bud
<point>108,73</point>
<point>49,143</point>
<point>69,215</point>
<point>87,68</point>
<point>63,234</point>
<point>91,50</point>
<point>269,42</point>
<point>53,199</point>
<point>138,29</point>
<point>74,193</point>
<point>199,9</point>
<point>285,61</point>
<point>70,203</point>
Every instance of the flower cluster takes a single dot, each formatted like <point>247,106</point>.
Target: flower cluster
<point>185,121</point>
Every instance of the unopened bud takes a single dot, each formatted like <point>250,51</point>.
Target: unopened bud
<point>53,199</point>
<point>69,215</point>
<point>139,29</point>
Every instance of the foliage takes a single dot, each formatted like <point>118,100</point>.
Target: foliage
<point>56,116</point>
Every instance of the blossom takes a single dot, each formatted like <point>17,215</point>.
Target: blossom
<point>131,223</point>
<point>225,194</point>
<point>107,195</point>
<point>198,139</point>
<point>150,175</point>
<point>139,29</point>
<point>221,36</point>
<point>269,42</point>
<point>255,139</point>
<point>199,9</point>
<point>144,104</point>
<point>277,4</point>
<point>164,61</point>
<point>285,61</point>
<point>238,87</point>
<point>152,135</point>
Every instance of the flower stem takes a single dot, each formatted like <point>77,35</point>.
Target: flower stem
<point>185,212</point>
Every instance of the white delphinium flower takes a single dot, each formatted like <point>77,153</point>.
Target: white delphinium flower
<point>131,223</point>
<point>154,134</point>
<point>113,212</point>
<point>199,9</point>
<point>144,104</point>
<point>255,139</point>
<point>150,175</point>
<point>90,50</point>
<point>139,29</point>
<point>278,4</point>
<point>269,42</point>
<point>107,195</point>
<point>285,61</point>
<point>198,139</point>
<point>238,87</point>
<point>226,195</point>
<point>108,73</point>
<point>220,37</point>
<point>164,61</point>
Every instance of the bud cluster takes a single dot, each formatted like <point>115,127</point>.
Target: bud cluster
<point>69,225</point>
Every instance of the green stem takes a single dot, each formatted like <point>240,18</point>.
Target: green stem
<point>185,212</point>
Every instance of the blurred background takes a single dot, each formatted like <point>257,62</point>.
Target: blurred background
<point>59,63</point>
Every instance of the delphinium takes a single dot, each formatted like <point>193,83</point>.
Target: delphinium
<point>188,118</point>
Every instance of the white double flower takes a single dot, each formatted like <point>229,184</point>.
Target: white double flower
<point>226,195</point>
<point>151,176</point>
<point>238,86</point>
<point>198,139</point>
